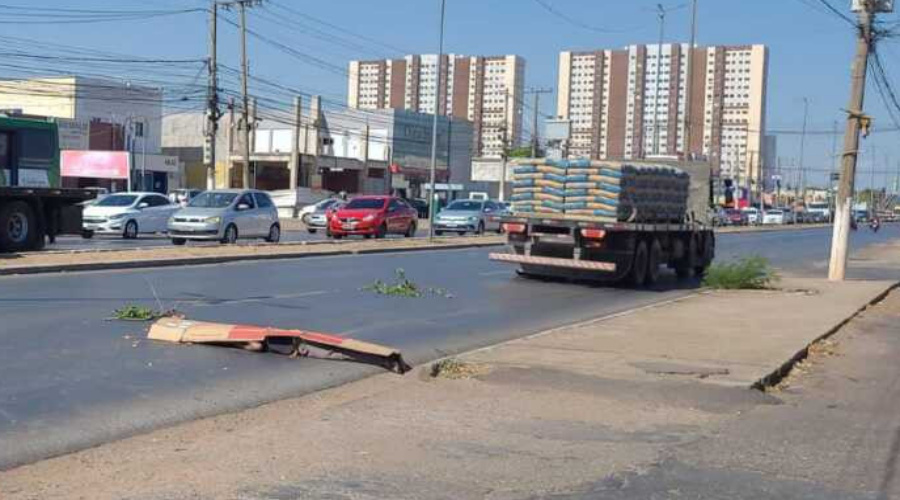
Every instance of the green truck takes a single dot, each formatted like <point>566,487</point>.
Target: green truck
<point>34,208</point>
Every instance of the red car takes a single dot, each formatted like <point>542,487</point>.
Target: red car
<point>375,216</point>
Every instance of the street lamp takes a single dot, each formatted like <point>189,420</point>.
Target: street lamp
<point>434,126</point>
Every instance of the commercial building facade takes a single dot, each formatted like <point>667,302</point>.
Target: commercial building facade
<point>640,101</point>
<point>100,115</point>
<point>485,90</point>
<point>355,151</point>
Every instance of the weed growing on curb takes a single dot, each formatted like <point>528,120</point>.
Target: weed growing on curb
<point>750,273</point>
<point>137,313</point>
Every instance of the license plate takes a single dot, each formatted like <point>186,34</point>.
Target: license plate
<point>349,225</point>
<point>451,224</point>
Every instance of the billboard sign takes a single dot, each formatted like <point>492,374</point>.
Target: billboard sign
<point>95,164</point>
<point>73,135</point>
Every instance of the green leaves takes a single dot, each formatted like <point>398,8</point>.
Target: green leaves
<point>750,273</point>
<point>404,287</point>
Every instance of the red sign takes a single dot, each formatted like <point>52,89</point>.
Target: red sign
<point>95,164</point>
<point>395,169</point>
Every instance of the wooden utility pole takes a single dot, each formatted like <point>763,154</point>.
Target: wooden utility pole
<point>212,101</point>
<point>844,203</point>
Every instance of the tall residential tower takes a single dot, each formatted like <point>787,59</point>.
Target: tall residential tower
<point>618,111</point>
<point>487,91</point>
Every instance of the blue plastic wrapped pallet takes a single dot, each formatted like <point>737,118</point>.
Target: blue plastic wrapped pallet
<point>607,191</point>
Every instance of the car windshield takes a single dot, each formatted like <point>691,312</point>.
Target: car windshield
<point>365,204</point>
<point>117,200</point>
<point>212,200</point>
<point>469,206</point>
<point>774,212</point>
<point>325,204</point>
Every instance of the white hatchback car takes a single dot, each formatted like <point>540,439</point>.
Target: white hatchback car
<point>128,215</point>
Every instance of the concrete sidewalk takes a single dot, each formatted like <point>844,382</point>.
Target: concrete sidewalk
<point>530,418</point>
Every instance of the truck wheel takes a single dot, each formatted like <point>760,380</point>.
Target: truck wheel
<point>684,269</point>
<point>638,274</point>
<point>18,227</point>
<point>654,259</point>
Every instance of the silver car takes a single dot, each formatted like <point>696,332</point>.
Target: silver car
<point>225,215</point>
<point>469,216</point>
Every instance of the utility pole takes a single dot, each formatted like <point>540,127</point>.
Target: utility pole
<point>432,202</point>
<point>689,95</point>
<point>844,203</point>
<point>212,101</point>
<point>802,147</point>
<point>504,154</point>
<point>245,73</point>
<point>295,151</point>
<point>535,143</point>
<point>659,55</point>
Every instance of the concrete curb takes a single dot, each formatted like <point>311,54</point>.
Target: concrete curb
<point>780,373</point>
<point>220,259</point>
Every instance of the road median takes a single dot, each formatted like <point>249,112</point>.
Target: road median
<point>53,262</point>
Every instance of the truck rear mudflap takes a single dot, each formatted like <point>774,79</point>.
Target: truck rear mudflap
<point>555,267</point>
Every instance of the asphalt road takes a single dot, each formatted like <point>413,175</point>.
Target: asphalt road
<point>72,379</point>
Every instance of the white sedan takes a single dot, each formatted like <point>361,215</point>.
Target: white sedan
<point>128,215</point>
<point>774,217</point>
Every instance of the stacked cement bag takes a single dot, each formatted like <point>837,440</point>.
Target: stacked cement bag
<point>539,188</point>
<point>606,191</point>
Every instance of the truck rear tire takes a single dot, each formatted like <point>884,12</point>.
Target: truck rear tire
<point>19,228</point>
<point>654,259</point>
<point>638,274</point>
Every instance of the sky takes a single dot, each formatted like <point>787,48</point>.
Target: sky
<point>810,49</point>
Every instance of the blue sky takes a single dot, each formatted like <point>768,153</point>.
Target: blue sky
<point>810,50</point>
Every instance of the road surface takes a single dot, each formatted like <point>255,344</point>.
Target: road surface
<point>72,378</point>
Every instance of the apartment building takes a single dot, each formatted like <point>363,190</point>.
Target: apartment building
<point>487,91</point>
<point>639,102</point>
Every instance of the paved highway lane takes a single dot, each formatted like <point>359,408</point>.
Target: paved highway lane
<point>72,379</point>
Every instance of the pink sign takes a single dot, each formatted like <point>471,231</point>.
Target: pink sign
<point>95,164</point>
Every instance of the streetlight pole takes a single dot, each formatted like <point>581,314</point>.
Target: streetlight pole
<point>434,127</point>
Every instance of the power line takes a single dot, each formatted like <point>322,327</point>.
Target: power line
<point>575,22</point>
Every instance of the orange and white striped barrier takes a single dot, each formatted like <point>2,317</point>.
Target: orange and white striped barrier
<point>180,330</point>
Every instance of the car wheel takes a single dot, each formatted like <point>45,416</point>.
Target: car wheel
<point>305,219</point>
<point>274,234</point>
<point>87,234</point>
<point>367,236</point>
<point>311,230</point>
<point>231,235</point>
<point>178,242</point>
<point>382,231</point>
<point>411,230</point>
<point>131,230</point>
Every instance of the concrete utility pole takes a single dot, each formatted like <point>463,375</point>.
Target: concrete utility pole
<point>689,94</point>
<point>212,101</point>
<point>802,148</point>
<point>432,202</point>
<point>535,143</point>
<point>659,48</point>
<point>844,203</point>
<point>242,6</point>
<point>295,151</point>
<point>504,153</point>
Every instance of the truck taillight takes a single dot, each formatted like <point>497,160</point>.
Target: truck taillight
<point>593,234</point>
<point>514,228</point>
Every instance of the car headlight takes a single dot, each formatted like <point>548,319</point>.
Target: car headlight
<point>369,218</point>
<point>171,220</point>
<point>213,220</point>
<point>473,219</point>
<point>118,216</point>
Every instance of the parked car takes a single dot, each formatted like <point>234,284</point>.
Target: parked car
<point>319,219</point>
<point>773,217</point>
<point>752,215</point>
<point>183,196</point>
<point>733,217</point>
<point>308,210</point>
<point>468,216</point>
<point>376,216</point>
<point>127,214</point>
<point>226,215</point>
<point>420,205</point>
